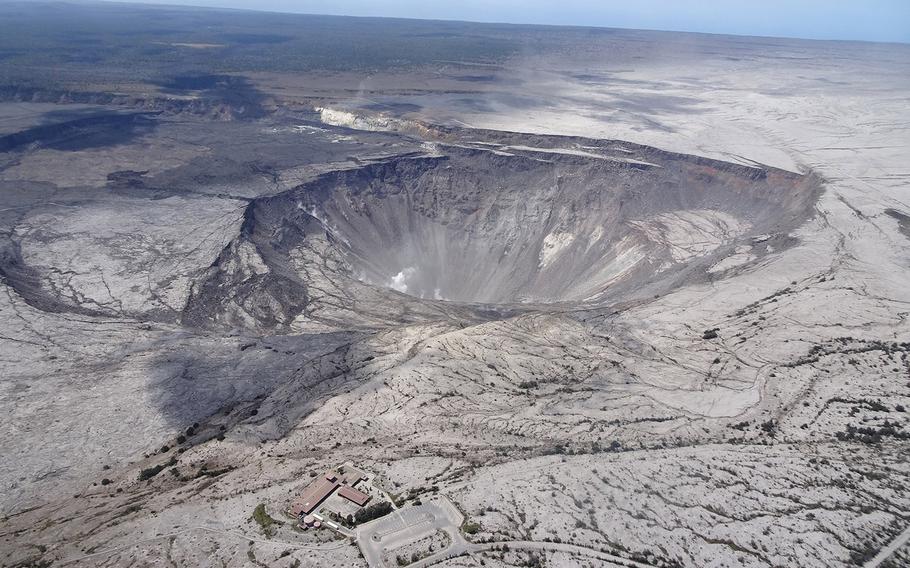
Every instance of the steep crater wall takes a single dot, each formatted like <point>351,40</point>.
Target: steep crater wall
<point>505,224</point>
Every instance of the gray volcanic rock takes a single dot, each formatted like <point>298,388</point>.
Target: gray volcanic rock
<point>621,297</point>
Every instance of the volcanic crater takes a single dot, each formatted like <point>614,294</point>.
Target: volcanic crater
<point>540,220</point>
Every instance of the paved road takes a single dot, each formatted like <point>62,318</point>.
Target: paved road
<point>334,526</point>
<point>529,545</point>
<point>886,552</point>
<point>409,524</point>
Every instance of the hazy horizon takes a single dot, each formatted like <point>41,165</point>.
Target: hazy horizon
<point>873,20</point>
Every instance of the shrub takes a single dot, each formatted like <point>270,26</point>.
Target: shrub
<point>151,472</point>
<point>470,527</point>
<point>372,512</point>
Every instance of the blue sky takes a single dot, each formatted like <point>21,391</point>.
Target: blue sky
<point>873,20</point>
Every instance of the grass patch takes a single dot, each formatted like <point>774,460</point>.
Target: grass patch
<point>265,522</point>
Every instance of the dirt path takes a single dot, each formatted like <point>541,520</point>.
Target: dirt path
<point>886,552</point>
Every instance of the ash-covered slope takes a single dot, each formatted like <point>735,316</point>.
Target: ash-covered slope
<point>650,357</point>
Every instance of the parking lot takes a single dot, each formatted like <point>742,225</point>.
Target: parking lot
<point>408,525</point>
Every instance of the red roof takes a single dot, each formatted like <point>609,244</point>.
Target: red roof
<point>354,495</point>
<point>312,496</point>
